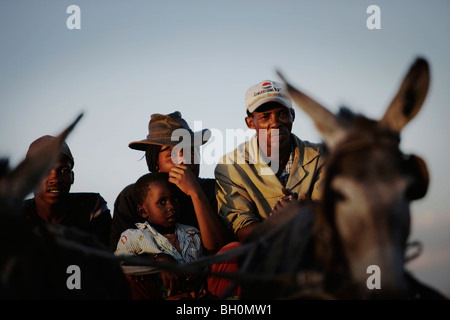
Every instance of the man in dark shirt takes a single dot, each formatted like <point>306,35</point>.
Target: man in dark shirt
<point>53,203</point>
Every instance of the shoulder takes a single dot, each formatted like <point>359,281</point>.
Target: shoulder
<point>134,231</point>
<point>304,144</point>
<point>239,155</point>
<point>91,197</point>
<point>126,192</point>
<point>308,151</point>
<point>234,162</point>
<point>134,234</point>
<point>92,203</point>
<point>86,197</point>
<point>125,200</point>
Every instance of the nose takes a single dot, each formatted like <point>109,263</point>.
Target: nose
<point>182,157</point>
<point>170,207</point>
<point>179,159</point>
<point>52,176</point>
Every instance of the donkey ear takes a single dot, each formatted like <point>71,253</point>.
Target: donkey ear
<point>410,97</point>
<point>325,121</point>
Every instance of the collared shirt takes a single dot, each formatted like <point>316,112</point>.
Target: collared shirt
<point>248,189</point>
<point>145,239</point>
<point>284,175</point>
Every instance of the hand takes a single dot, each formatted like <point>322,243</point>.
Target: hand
<point>284,201</point>
<point>184,179</point>
<point>173,281</point>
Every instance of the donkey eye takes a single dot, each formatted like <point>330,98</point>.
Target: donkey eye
<point>339,196</point>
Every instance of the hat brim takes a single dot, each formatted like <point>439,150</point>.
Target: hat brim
<point>285,102</point>
<point>198,138</point>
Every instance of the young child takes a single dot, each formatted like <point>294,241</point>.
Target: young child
<point>160,238</point>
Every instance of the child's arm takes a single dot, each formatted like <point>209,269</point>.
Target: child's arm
<point>214,234</point>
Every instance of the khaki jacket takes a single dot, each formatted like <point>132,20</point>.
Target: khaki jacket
<point>247,190</point>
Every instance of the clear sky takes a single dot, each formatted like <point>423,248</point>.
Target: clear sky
<point>133,58</point>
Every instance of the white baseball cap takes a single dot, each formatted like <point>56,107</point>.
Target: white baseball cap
<point>266,91</point>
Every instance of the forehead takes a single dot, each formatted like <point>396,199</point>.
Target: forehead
<point>63,161</point>
<point>158,188</point>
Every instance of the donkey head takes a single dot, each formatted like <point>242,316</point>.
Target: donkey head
<point>369,183</point>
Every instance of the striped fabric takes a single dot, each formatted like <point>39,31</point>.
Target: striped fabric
<point>284,175</point>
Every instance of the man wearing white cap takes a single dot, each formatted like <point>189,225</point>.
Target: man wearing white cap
<point>256,179</point>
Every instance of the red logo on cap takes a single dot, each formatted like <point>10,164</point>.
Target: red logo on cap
<point>267,85</point>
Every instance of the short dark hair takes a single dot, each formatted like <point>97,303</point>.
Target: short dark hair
<point>142,185</point>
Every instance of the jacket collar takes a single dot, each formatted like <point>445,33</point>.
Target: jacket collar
<point>304,155</point>
<point>249,152</point>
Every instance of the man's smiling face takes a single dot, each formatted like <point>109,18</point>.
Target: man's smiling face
<point>268,118</point>
<point>57,183</point>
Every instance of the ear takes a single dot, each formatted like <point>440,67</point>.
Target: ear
<point>142,211</point>
<point>292,114</point>
<point>249,122</point>
<point>410,97</point>
<point>325,122</point>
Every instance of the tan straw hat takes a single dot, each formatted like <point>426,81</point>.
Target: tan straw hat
<point>170,130</point>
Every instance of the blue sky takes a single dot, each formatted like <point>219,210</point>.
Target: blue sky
<point>131,59</point>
